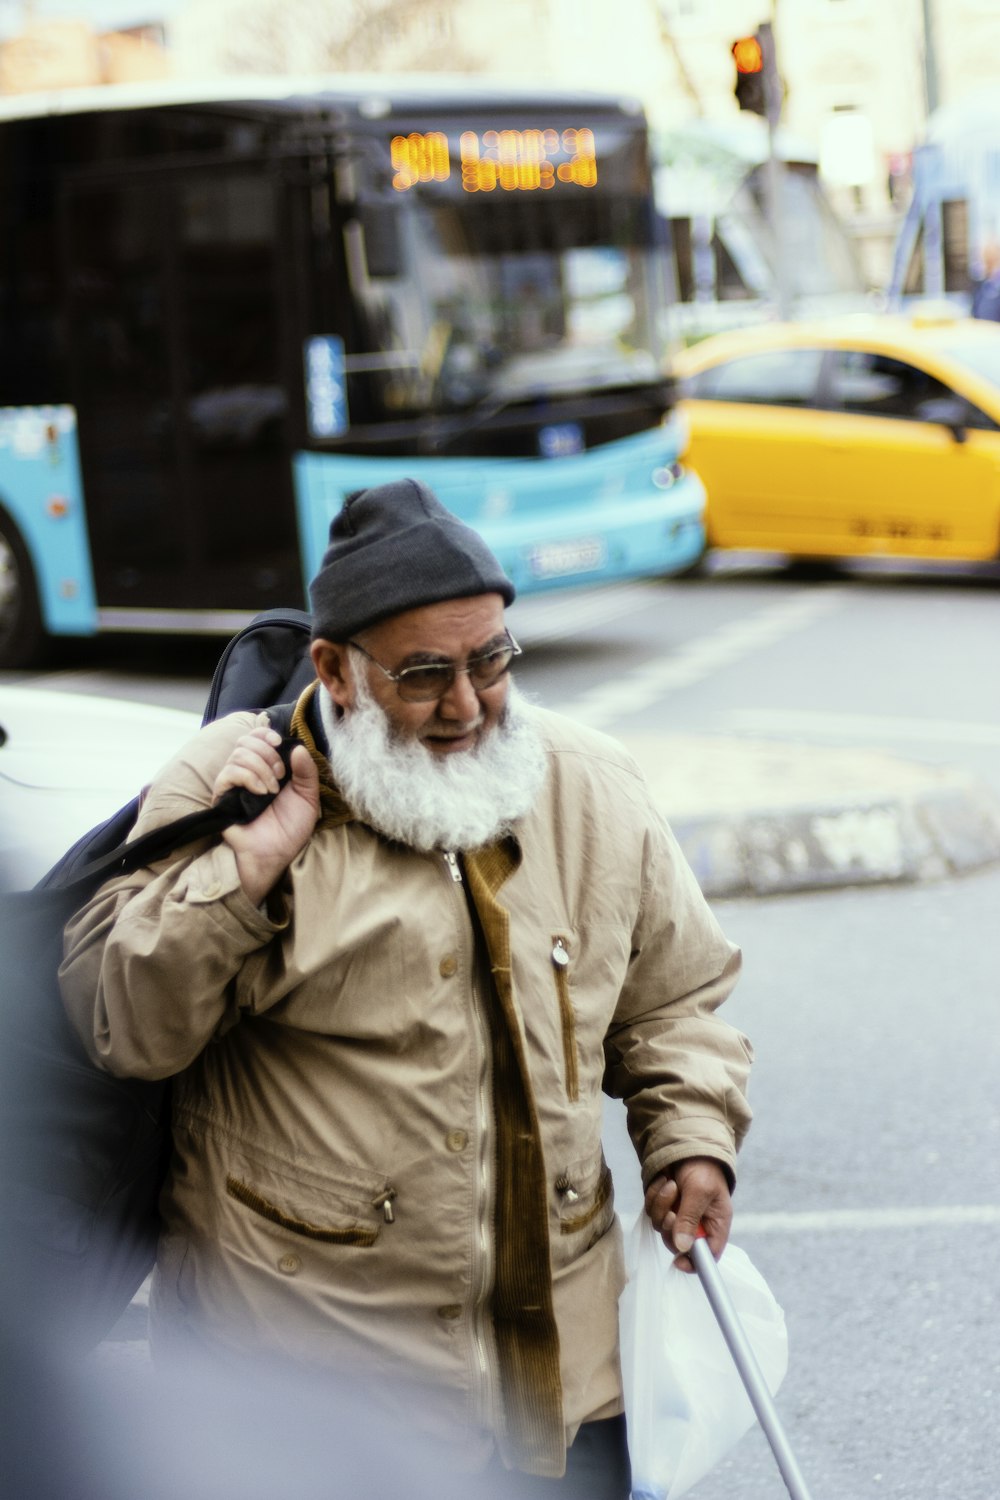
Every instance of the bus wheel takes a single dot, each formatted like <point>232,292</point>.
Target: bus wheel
<point>22,636</point>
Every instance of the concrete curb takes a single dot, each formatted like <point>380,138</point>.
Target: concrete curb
<point>760,818</point>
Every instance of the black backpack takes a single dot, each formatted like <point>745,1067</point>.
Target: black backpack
<point>83,1154</point>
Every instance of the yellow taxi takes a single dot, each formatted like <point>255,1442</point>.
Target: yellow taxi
<point>874,435</point>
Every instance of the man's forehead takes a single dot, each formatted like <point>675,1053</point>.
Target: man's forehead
<point>453,627</point>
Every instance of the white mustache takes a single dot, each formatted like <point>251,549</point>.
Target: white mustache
<point>450,732</point>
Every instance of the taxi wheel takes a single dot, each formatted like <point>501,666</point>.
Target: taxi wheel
<point>813,568</point>
<point>22,635</point>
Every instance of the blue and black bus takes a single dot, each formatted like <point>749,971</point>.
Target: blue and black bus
<point>222,314</point>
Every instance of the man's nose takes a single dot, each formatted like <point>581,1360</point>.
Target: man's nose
<point>461,701</point>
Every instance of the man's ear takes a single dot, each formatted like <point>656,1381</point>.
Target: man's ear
<point>333,670</point>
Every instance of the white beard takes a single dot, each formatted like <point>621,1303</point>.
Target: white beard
<point>403,790</point>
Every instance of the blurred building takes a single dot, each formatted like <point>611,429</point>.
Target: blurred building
<point>58,54</point>
<point>860,76</point>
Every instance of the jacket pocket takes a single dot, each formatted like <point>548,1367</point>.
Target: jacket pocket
<point>567,1017</point>
<point>586,1199</point>
<point>351,1209</point>
<point>331,1234</point>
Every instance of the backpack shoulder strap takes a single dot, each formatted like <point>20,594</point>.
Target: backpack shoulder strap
<point>127,855</point>
<point>107,851</point>
<point>267,662</point>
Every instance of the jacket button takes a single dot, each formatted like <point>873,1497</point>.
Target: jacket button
<point>456,1140</point>
<point>450,1311</point>
<point>289,1264</point>
<point>448,966</point>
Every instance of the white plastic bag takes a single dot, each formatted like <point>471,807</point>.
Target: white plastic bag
<point>685,1404</point>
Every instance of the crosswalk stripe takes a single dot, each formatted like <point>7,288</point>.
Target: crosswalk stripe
<point>866,1220</point>
<point>863,726</point>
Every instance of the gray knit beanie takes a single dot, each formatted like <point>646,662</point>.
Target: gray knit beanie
<point>395,547</point>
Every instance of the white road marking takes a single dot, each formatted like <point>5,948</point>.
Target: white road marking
<point>730,643</point>
<point>558,616</point>
<point>866,1220</point>
<point>862,726</point>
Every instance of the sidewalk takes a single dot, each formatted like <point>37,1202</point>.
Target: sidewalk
<point>761,817</point>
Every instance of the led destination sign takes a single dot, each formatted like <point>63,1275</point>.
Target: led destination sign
<point>515,161</point>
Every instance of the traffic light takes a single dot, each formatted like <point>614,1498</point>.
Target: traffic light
<point>750,90</point>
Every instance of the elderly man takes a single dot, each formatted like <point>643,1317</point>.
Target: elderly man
<point>393,1001</point>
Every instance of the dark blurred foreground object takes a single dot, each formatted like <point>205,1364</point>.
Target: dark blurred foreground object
<point>99,1431</point>
<point>82,1153</point>
<point>112,1428</point>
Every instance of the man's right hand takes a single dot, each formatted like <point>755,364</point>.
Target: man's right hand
<point>266,847</point>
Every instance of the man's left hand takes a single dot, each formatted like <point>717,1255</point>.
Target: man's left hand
<point>690,1193</point>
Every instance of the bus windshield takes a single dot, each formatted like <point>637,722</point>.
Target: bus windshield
<point>468,299</point>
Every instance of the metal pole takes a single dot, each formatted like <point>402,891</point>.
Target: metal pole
<point>773,183</point>
<point>746,1363</point>
<point>930,58</point>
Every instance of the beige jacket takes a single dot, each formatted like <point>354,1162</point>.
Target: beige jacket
<point>388,1131</point>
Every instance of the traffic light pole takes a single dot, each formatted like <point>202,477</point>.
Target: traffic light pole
<point>775,197</point>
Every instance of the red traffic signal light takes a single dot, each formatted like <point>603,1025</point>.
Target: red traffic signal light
<point>749,55</point>
<point>750,90</point>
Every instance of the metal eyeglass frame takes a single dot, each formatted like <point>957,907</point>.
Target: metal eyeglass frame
<point>449,668</point>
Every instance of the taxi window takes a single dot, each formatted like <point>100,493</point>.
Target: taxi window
<point>876,386</point>
<point>981,420</point>
<point>782,377</point>
<point>983,357</point>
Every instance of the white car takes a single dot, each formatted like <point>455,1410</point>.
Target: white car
<point>67,762</point>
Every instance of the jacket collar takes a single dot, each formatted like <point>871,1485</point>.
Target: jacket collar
<point>333,810</point>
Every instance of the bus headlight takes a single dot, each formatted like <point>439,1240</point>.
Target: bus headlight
<point>667,475</point>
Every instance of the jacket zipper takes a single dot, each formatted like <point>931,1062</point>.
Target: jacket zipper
<point>482,1283</point>
<point>483,1274</point>
<point>560,968</point>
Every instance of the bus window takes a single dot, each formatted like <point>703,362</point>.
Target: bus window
<point>172,310</point>
<point>230,379</point>
<point>119,325</point>
<point>32,351</point>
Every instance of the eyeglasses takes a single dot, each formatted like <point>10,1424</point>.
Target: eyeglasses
<point>424,684</point>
